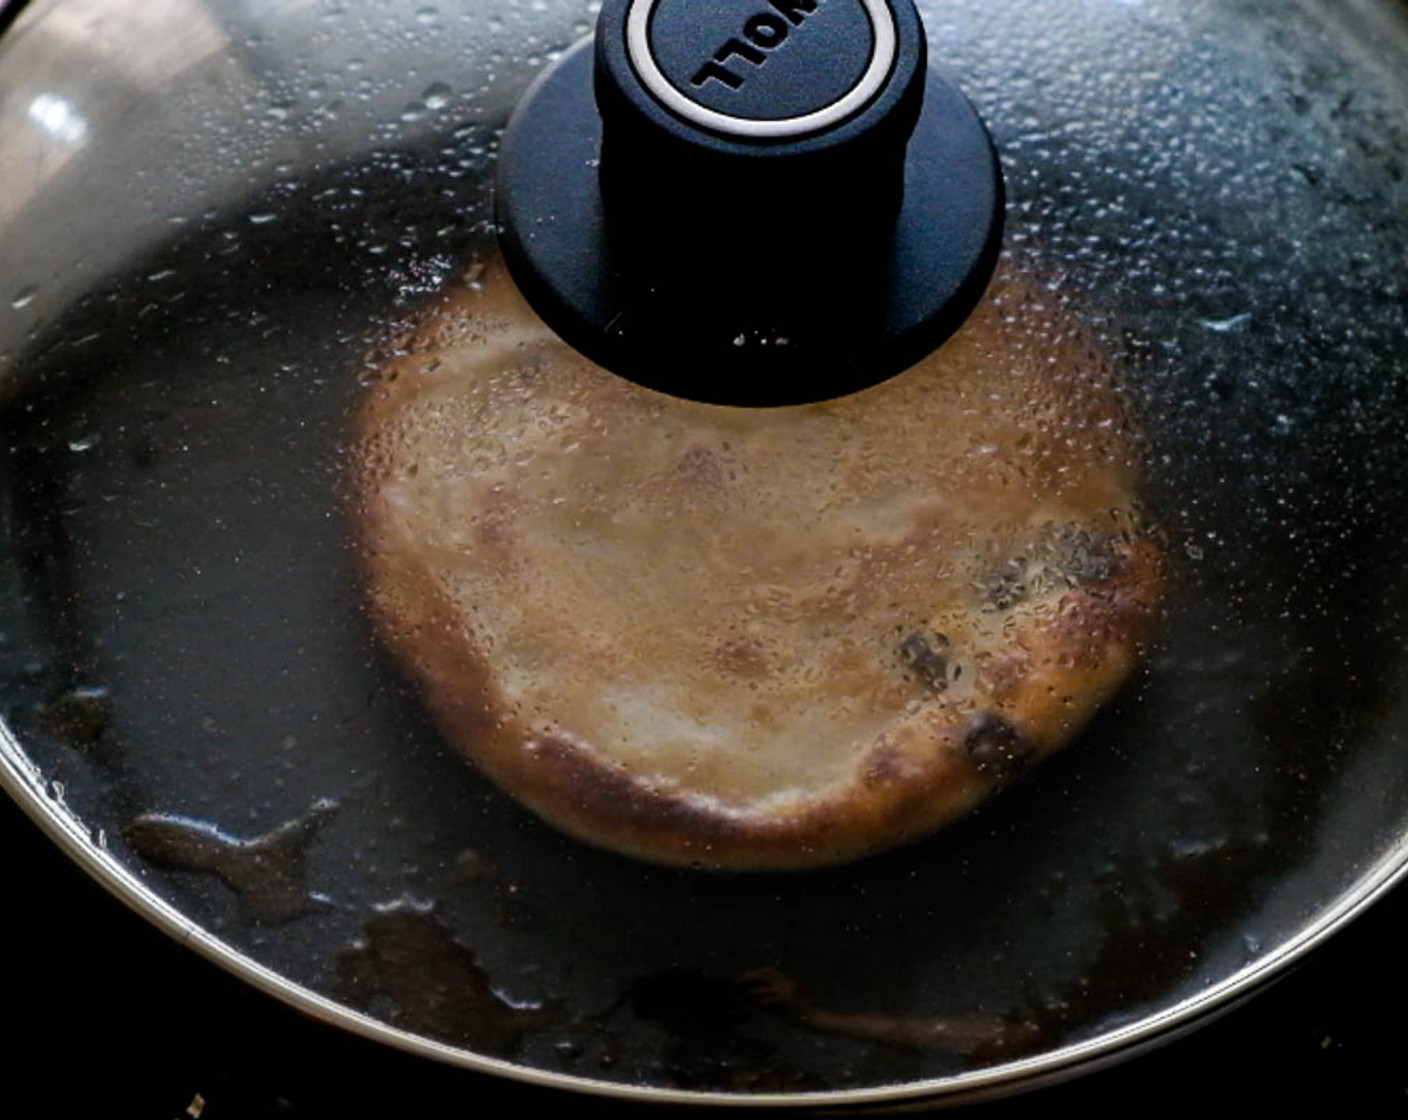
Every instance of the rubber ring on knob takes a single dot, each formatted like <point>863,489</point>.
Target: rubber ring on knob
<point>882,59</point>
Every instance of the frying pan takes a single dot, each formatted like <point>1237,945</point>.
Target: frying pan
<point>195,708</point>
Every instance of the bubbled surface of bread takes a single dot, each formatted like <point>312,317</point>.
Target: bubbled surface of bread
<point>752,639</point>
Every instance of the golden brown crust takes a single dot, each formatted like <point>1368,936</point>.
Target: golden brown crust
<point>752,640</point>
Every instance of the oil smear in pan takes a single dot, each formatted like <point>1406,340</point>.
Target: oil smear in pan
<point>408,968</point>
<point>268,872</point>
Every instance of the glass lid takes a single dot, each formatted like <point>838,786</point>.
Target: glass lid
<point>885,587</point>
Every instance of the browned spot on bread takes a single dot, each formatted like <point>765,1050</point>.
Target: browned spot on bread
<point>699,466</point>
<point>742,655</point>
<point>883,764</point>
<point>926,655</point>
<point>996,747</point>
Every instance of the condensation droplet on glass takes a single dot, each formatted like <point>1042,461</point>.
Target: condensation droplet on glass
<point>84,442</point>
<point>1194,551</point>
<point>1227,325</point>
<point>428,15</point>
<point>437,95</point>
<point>24,297</point>
<point>263,218</point>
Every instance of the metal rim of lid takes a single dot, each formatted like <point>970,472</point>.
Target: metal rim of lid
<point>882,58</point>
<point>130,887</point>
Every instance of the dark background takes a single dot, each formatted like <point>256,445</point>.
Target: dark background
<point>109,1018</point>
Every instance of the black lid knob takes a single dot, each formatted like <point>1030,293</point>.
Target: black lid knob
<point>769,203</point>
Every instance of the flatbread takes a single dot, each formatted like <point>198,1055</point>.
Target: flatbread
<point>752,639</point>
